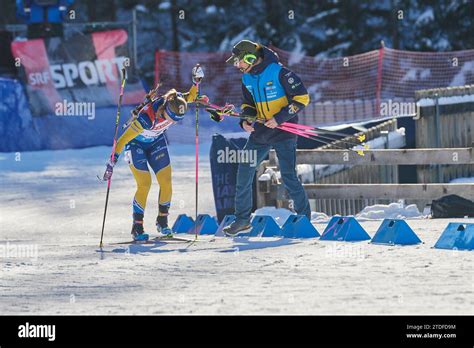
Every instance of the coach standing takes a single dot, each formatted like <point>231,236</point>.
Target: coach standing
<point>273,94</point>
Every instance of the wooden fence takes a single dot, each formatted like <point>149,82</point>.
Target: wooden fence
<point>444,126</point>
<point>345,174</point>
<point>271,192</point>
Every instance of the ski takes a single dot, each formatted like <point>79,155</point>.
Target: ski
<point>172,238</point>
<point>156,240</point>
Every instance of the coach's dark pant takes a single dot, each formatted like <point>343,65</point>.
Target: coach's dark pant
<point>286,153</point>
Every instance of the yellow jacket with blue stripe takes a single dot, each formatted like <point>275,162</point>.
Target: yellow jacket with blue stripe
<point>271,90</point>
<point>148,126</point>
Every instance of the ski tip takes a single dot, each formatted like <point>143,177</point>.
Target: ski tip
<point>361,138</point>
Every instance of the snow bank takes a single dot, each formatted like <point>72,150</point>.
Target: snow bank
<point>305,173</point>
<point>463,181</point>
<point>317,217</point>
<point>373,212</point>
<point>279,214</point>
<point>391,211</point>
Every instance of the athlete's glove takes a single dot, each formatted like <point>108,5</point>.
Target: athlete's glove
<point>109,169</point>
<point>197,74</point>
<point>217,115</point>
<point>202,99</point>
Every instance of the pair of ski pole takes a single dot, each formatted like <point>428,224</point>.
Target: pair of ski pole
<point>314,133</point>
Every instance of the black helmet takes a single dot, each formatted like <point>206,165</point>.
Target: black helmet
<point>246,50</point>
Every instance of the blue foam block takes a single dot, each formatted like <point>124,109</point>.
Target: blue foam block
<point>395,231</point>
<point>205,224</point>
<point>228,219</point>
<point>298,226</point>
<point>183,224</point>
<point>344,228</point>
<point>457,236</point>
<point>263,226</point>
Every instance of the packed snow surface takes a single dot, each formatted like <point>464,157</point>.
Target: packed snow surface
<point>51,215</point>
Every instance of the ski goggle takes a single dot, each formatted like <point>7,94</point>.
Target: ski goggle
<point>174,116</point>
<point>249,58</point>
<point>238,55</point>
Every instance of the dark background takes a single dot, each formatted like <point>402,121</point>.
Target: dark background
<point>325,28</point>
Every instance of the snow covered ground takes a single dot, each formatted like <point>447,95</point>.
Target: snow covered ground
<point>51,212</point>
<point>463,181</point>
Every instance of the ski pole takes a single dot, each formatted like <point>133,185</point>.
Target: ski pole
<point>117,119</point>
<point>305,131</point>
<point>315,129</point>
<point>197,159</point>
<point>315,134</point>
<point>214,107</point>
<point>317,138</point>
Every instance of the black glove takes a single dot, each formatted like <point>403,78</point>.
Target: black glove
<point>252,116</point>
<point>215,116</point>
<point>218,115</point>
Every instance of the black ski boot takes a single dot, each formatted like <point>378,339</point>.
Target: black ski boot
<point>237,227</point>
<point>138,233</point>
<point>162,222</point>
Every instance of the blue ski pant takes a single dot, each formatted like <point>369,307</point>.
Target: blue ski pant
<point>286,153</point>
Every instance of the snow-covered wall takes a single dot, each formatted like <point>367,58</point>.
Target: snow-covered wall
<point>20,131</point>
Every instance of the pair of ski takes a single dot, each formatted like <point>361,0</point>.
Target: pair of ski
<point>314,133</point>
<point>160,239</point>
